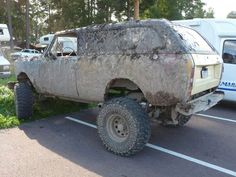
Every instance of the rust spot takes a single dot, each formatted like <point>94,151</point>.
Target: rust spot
<point>161,98</point>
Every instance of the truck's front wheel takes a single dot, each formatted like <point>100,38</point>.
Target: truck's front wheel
<point>123,126</point>
<point>23,100</point>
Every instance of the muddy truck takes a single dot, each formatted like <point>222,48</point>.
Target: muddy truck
<point>136,71</point>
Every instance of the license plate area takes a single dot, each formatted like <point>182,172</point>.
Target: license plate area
<point>204,72</point>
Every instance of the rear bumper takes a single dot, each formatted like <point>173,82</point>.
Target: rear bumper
<point>5,74</point>
<point>200,104</point>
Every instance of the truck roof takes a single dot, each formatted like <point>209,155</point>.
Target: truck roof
<point>118,25</point>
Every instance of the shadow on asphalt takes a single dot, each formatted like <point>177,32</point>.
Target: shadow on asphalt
<point>227,105</point>
<point>81,145</point>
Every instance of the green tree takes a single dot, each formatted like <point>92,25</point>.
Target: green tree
<point>18,17</point>
<point>177,9</point>
<point>209,13</point>
<point>163,9</point>
<point>54,15</point>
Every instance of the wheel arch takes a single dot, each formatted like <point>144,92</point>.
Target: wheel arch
<point>22,76</point>
<point>122,83</point>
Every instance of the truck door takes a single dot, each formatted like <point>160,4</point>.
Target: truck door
<point>56,72</point>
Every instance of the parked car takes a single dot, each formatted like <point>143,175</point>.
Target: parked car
<point>4,66</point>
<point>221,33</point>
<point>26,54</point>
<point>137,70</point>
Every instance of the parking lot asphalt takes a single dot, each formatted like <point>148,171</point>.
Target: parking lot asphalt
<point>57,146</point>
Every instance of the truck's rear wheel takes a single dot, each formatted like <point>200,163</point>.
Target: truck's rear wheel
<point>23,100</point>
<point>123,126</point>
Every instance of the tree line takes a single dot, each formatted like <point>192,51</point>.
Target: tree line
<point>49,16</point>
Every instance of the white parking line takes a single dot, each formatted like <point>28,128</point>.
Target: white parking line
<point>81,122</point>
<point>176,154</point>
<point>215,117</point>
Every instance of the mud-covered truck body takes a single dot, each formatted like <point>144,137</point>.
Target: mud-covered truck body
<point>137,69</point>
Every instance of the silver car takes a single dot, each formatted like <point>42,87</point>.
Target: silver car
<point>26,54</point>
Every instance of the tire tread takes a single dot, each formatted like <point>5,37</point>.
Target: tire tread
<point>23,100</point>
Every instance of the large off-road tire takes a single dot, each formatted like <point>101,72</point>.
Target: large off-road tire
<point>123,126</point>
<point>23,100</point>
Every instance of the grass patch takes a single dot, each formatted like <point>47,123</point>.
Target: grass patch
<point>7,108</point>
<point>52,107</point>
<point>3,82</point>
<point>42,109</point>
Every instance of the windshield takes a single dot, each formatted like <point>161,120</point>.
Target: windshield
<point>193,41</point>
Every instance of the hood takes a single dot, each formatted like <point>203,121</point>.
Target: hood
<point>4,61</point>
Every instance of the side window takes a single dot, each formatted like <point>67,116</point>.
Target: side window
<point>64,46</point>
<point>138,40</point>
<point>193,40</point>
<point>1,32</point>
<point>229,52</point>
<point>119,41</point>
<point>147,40</point>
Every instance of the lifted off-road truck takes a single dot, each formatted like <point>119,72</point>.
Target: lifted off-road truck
<point>136,70</point>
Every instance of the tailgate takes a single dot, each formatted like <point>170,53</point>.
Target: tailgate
<point>207,72</point>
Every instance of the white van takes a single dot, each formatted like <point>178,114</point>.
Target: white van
<point>4,63</point>
<point>4,33</point>
<point>222,35</point>
<point>46,39</point>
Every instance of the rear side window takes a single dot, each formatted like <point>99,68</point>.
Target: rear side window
<point>193,41</point>
<point>1,31</point>
<point>119,41</point>
<point>229,51</point>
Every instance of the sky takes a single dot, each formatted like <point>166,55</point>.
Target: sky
<point>221,7</point>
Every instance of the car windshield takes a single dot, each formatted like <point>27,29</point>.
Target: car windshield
<point>26,51</point>
<point>193,40</point>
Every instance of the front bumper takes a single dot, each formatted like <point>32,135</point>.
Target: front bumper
<point>5,74</point>
<point>200,104</point>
